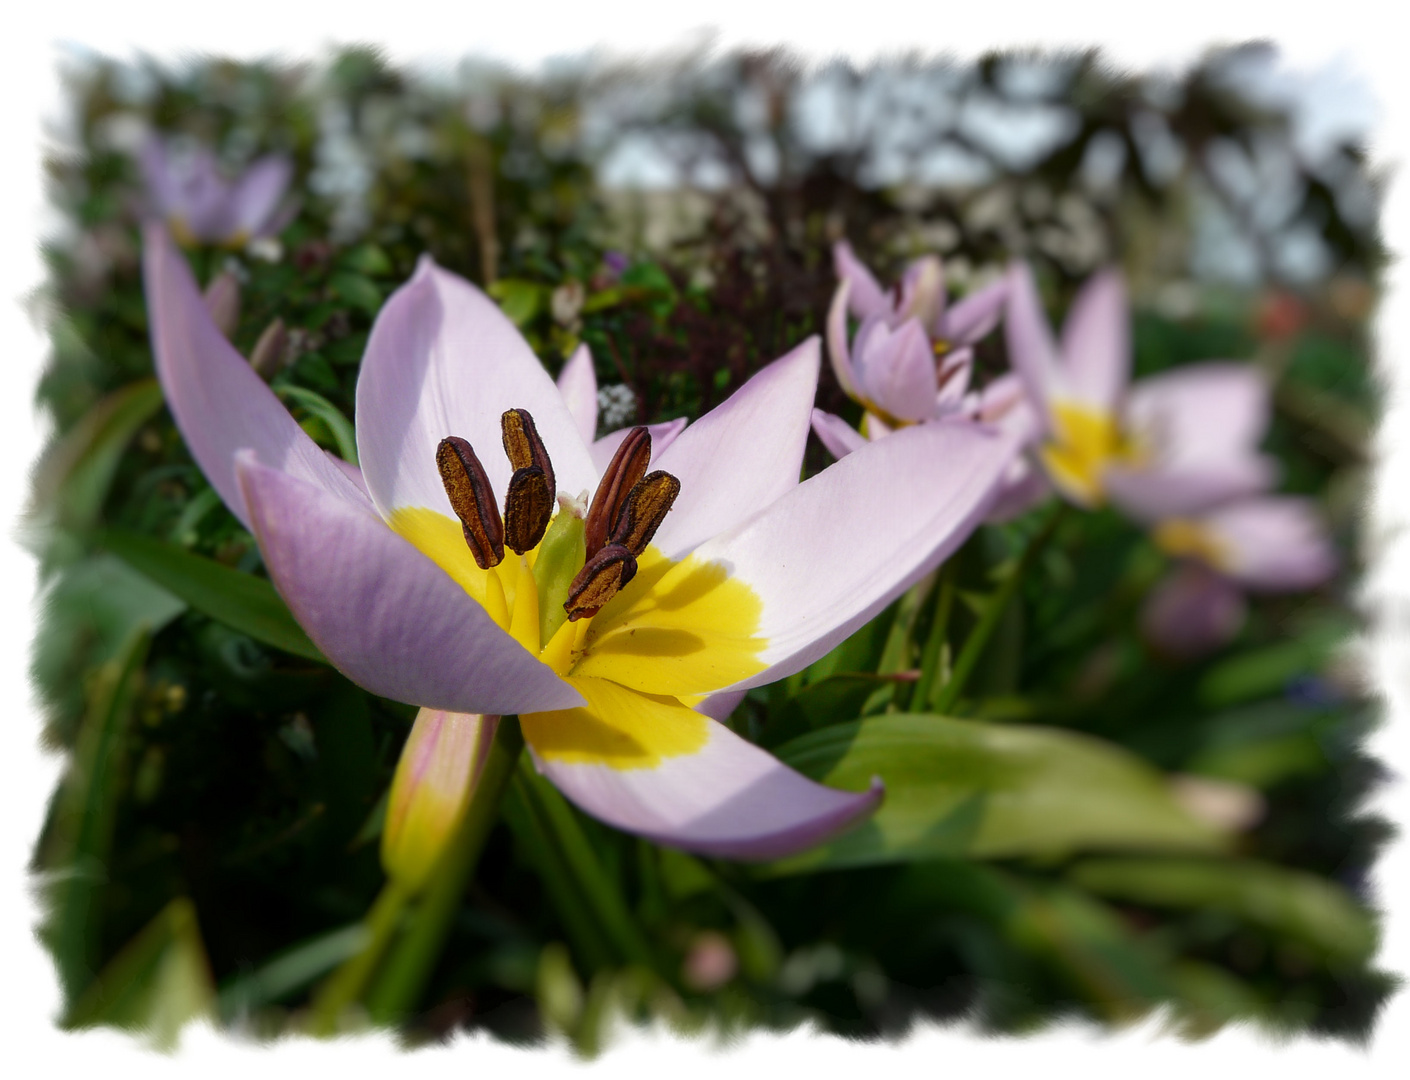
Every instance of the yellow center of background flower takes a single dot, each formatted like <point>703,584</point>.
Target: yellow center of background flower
<point>1085,441</point>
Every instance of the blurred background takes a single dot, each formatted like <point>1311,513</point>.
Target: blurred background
<point>678,215</point>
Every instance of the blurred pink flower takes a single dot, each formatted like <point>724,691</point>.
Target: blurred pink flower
<point>201,207</point>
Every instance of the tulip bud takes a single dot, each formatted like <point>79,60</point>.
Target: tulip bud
<point>222,298</point>
<point>268,355</point>
<point>1193,612</point>
<point>431,790</point>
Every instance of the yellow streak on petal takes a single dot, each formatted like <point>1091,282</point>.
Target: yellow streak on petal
<point>1184,538</point>
<point>524,622</point>
<point>678,628</point>
<point>620,728</point>
<point>441,539</point>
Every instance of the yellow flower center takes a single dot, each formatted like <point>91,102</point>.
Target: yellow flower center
<point>1084,443</point>
<point>1184,538</point>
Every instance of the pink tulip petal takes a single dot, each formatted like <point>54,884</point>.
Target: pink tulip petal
<point>741,456</point>
<point>1273,544</point>
<point>577,382</point>
<point>219,403</point>
<point>836,434</point>
<point>662,435</point>
<point>1193,612</point>
<point>387,617</point>
<point>975,316</point>
<point>866,299</point>
<point>1096,342</point>
<point>444,360</point>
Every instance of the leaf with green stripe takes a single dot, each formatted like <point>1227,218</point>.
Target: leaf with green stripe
<point>961,789</point>
<point>243,602</point>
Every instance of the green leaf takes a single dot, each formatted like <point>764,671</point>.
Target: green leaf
<point>1311,909</point>
<point>156,984</point>
<point>368,259</point>
<point>832,700</point>
<point>520,300</point>
<point>338,424</point>
<point>241,601</point>
<point>87,808</point>
<point>1259,672</point>
<point>290,970</point>
<point>72,478</point>
<point>357,291</point>
<point>955,788</point>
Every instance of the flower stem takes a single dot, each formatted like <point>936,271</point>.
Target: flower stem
<point>399,982</point>
<point>949,693</point>
<point>346,984</point>
<point>935,641</point>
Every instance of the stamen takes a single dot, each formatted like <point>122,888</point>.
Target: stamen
<point>472,499</point>
<point>523,445</point>
<point>528,504</point>
<point>628,466</point>
<point>646,508</point>
<point>601,579</point>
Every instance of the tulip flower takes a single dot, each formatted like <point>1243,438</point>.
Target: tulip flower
<point>659,582</point>
<point>911,357</point>
<point>202,207</point>
<point>1173,444</point>
<point>1267,544</point>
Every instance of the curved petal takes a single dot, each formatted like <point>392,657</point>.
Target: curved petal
<point>1032,351</point>
<point>1154,493</point>
<point>866,299</point>
<point>351,471</point>
<point>662,435</point>
<point>923,292</point>
<point>443,360</point>
<point>1276,544</point>
<point>388,618</point>
<point>219,403</point>
<point>896,370</point>
<point>577,382</point>
<point>742,455</point>
<point>652,767</point>
<point>1023,488</point>
<point>1096,342</point>
<point>255,199</point>
<point>775,593</point>
<point>836,434</point>
<point>1210,412</point>
<point>837,350</point>
<point>973,317</point>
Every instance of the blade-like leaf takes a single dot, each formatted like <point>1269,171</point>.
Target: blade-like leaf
<point>1300,905</point>
<point>241,601</point>
<point>329,413</point>
<point>158,981</point>
<point>955,788</point>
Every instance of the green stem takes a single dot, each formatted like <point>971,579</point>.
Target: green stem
<point>601,893</point>
<point>930,655</point>
<point>399,983</point>
<point>974,645</point>
<point>346,984</point>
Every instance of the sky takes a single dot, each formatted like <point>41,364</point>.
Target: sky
<point>1346,72</point>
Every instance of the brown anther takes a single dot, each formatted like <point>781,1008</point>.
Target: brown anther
<point>472,499</point>
<point>628,465</point>
<point>605,574</point>
<point>523,445</point>
<point>528,506</point>
<point>646,507</point>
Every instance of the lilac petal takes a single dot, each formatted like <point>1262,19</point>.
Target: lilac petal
<point>1193,612</point>
<point>1209,413</point>
<point>1273,544</point>
<point>896,369</point>
<point>662,435</point>
<point>1032,351</point>
<point>204,199</point>
<point>905,502</point>
<point>728,798</point>
<point>388,618</point>
<point>867,299</point>
<point>719,706</point>
<point>351,471</point>
<point>1023,488</point>
<point>923,293</point>
<point>953,377</point>
<point>1150,494</point>
<point>1096,342</point>
<point>577,382</point>
<point>836,434</point>
<point>255,198</point>
<point>975,316</point>
<point>443,360</point>
<point>162,190</point>
<point>219,403</point>
<point>743,454</point>
<point>837,350</point>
